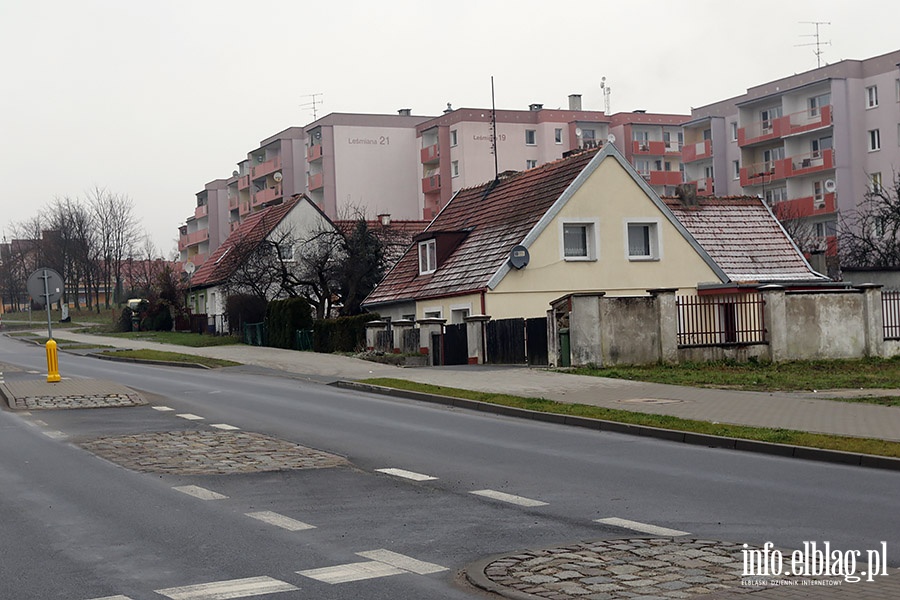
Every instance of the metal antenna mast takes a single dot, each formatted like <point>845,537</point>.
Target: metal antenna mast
<point>818,44</point>
<point>314,102</point>
<point>606,92</point>
<point>494,132</point>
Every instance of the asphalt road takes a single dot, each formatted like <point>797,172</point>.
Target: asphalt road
<point>76,526</point>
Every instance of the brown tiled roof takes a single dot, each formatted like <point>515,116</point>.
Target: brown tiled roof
<point>253,230</point>
<point>491,227</point>
<point>743,237</point>
<point>396,236</point>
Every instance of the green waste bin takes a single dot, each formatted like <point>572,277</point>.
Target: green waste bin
<point>565,350</point>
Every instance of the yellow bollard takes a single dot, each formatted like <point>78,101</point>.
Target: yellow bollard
<point>52,363</point>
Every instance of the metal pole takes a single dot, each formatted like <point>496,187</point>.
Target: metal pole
<point>46,277</point>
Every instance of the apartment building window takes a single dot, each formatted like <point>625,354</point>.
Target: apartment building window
<point>872,96</point>
<point>708,172</point>
<point>642,138</point>
<point>579,240</point>
<point>454,168</point>
<point>897,89</point>
<point>643,242</point>
<point>453,137</point>
<point>767,116</point>
<point>588,138</point>
<point>427,257</point>
<point>817,102</point>
<point>643,167</point>
<point>530,137</point>
<point>818,191</point>
<point>734,131</point>
<point>557,135</point>
<point>820,145</point>
<point>530,164</point>
<point>775,195</point>
<point>736,169</point>
<point>874,140</point>
<point>658,165</point>
<point>875,185</point>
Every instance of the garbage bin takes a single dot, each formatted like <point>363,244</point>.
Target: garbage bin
<point>565,353</point>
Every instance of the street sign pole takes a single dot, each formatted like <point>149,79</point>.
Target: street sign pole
<point>46,277</point>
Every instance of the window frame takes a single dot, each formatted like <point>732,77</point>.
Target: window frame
<point>736,164</point>
<point>430,256</point>
<point>591,239</point>
<point>654,240</point>
<point>874,140</point>
<point>871,96</point>
<point>530,163</point>
<point>454,169</point>
<point>454,138</point>
<point>531,137</point>
<point>734,131</point>
<point>558,135</point>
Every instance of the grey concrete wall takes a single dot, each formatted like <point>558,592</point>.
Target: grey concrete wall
<point>825,325</point>
<point>719,353</point>
<point>584,331</point>
<point>629,330</point>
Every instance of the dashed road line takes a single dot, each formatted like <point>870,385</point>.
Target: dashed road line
<point>162,408</point>
<point>56,435</point>
<point>352,572</point>
<point>512,499</point>
<point>225,590</point>
<point>273,518</point>
<point>406,474</point>
<point>199,492</point>
<point>642,527</point>
<point>419,567</point>
<point>119,597</point>
<point>191,417</point>
<point>225,427</point>
<point>40,423</point>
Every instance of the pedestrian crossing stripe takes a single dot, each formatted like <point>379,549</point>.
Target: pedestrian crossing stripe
<point>641,527</point>
<point>226,590</point>
<point>383,563</point>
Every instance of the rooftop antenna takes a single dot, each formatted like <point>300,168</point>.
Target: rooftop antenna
<point>606,92</point>
<point>818,43</point>
<point>496,181</point>
<point>313,103</point>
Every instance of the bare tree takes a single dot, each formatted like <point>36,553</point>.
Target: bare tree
<point>117,230</point>
<point>870,235</point>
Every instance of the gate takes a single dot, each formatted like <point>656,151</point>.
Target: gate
<point>506,342</point>
<point>536,341</point>
<point>456,345</point>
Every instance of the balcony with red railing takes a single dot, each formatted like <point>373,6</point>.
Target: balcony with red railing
<point>792,124</point>
<point>316,181</point>
<point>245,208</point>
<point>766,172</point>
<point>665,178</point>
<point>201,211</point>
<point>185,240</point>
<point>266,168</point>
<point>431,154</point>
<point>314,152</point>
<point>813,162</point>
<point>705,186</point>
<point>430,184</point>
<point>266,195</point>
<point>244,182</point>
<point>808,120</point>
<point>198,259</point>
<point>809,206</point>
<point>652,148</point>
<point>233,202</point>
<point>699,151</point>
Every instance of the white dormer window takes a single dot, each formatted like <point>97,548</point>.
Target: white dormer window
<point>427,257</point>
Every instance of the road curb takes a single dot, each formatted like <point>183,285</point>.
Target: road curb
<point>672,435</point>
<point>149,361</point>
<point>475,575</point>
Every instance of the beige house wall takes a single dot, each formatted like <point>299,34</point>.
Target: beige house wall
<point>608,200</point>
<point>452,309</point>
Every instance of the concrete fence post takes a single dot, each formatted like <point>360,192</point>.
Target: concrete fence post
<point>399,329</point>
<point>775,315</point>
<point>372,330</point>
<point>873,315</point>
<point>666,323</point>
<point>427,328</point>
<point>475,325</point>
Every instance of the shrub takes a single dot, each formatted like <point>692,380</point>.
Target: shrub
<point>284,318</point>
<point>344,334</point>
<point>244,308</point>
<point>124,322</point>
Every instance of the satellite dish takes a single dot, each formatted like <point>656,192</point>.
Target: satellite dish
<point>519,257</point>
<point>830,186</point>
<point>189,268</point>
<point>234,173</point>
<point>277,176</point>
<point>611,139</point>
<point>578,131</point>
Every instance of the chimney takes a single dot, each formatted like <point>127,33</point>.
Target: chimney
<point>574,101</point>
<point>404,112</point>
<point>535,107</point>
<point>385,219</point>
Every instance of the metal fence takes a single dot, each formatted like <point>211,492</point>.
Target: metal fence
<point>890,304</point>
<point>719,320</point>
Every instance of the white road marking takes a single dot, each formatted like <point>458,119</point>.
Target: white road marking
<point>419,567</point>
<point>113,598</point>
<point>33,372</point>
<point>273,518</point>
<point>352,572</point>
<point>199,492</point>
<point>642,527</point>
<point>56,435</point>
<point>190,417</point>
<point>508,498</point>
<point>224,590</point>
<point>162,408</point>
<point>39,422</point>
<point>25,414</point>
<point>406,474</point>
<point>225,427</point>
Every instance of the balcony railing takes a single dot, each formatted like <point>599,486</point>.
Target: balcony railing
<point>705,187</point>
<point>430,154</point>
<point>266,195</point>
<point>263,169</point>
<point>244,182</point>
<point>314,152</point>
<point>698,151</point>
<point>804,164</point>
<point>793,166</point>
<point>665,178</point>
<point>808,206</point>
<point>192,239</point>
<point>245,208</point>
<point>432,183</point>
<point>316,181</point>
<point>201,211</point>
<point>792,124</point>
<point>233,202</point>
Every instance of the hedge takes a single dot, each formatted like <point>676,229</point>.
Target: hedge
<point>344,334</point>
<point>284,318</point>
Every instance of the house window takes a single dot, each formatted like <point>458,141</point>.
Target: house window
<point>530,164</point>
<point>286,251</point>
<point>427,257</point>
<point>530,137</point>
<point>872,96</point>
<point>459,313</point>
<point>875,179</point>
<point>453,138</point>
<point>433,313</point>
<point>736,169</point>
<point>874,140</point>
<point>454,168</point>
<point>734,131</point>
<point>579,240</point>
<point>557,136</point>
<point>643,240</point>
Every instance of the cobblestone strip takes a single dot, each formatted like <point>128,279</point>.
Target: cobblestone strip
<point>86,401</point>
<point>208,453</point>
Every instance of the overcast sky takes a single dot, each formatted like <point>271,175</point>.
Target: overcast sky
<point>154,99</point>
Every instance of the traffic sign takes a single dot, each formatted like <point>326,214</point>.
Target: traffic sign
<point>45,286</point>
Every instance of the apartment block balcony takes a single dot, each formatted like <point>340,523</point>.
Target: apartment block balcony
<point>806,164</point>
<point>316,181</point>
<point>766,172</point>
<point>430,184</point>
<point>201,211</point>
<point>266,195</point>
<point>198,259</point>
<point>314,152</point>
<point>233,225</point>
<point>809,206</point>
<point>704,187</point>
<point>792,124</point>
<point>431,154</point>
<point>694,152</point>
<point>233,202</point>
<point>244,209</point>
<point>244,182</point>
<point>266,168</point>
<point>186,240</point>
<point>665,178</point>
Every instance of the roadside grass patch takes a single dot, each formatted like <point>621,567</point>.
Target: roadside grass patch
<point>179,338</point>
<point>763,434</point>
<point>176,357</point>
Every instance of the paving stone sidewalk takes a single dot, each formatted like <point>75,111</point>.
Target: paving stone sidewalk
<point>68,393</point>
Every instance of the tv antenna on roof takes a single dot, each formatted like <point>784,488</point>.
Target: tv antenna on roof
<point>606,92</point>
<point>818,44</point>
<point>314,102</point>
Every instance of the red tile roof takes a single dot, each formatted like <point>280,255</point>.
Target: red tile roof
<point>396,236</point>
<point>492,226</point>
<point>743,237</point>
<point>253,230</point>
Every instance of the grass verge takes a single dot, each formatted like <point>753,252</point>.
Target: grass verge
<point>178,338</point>
<point>175,357</point>
<point>777,436</point>
<point>804,375</point>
